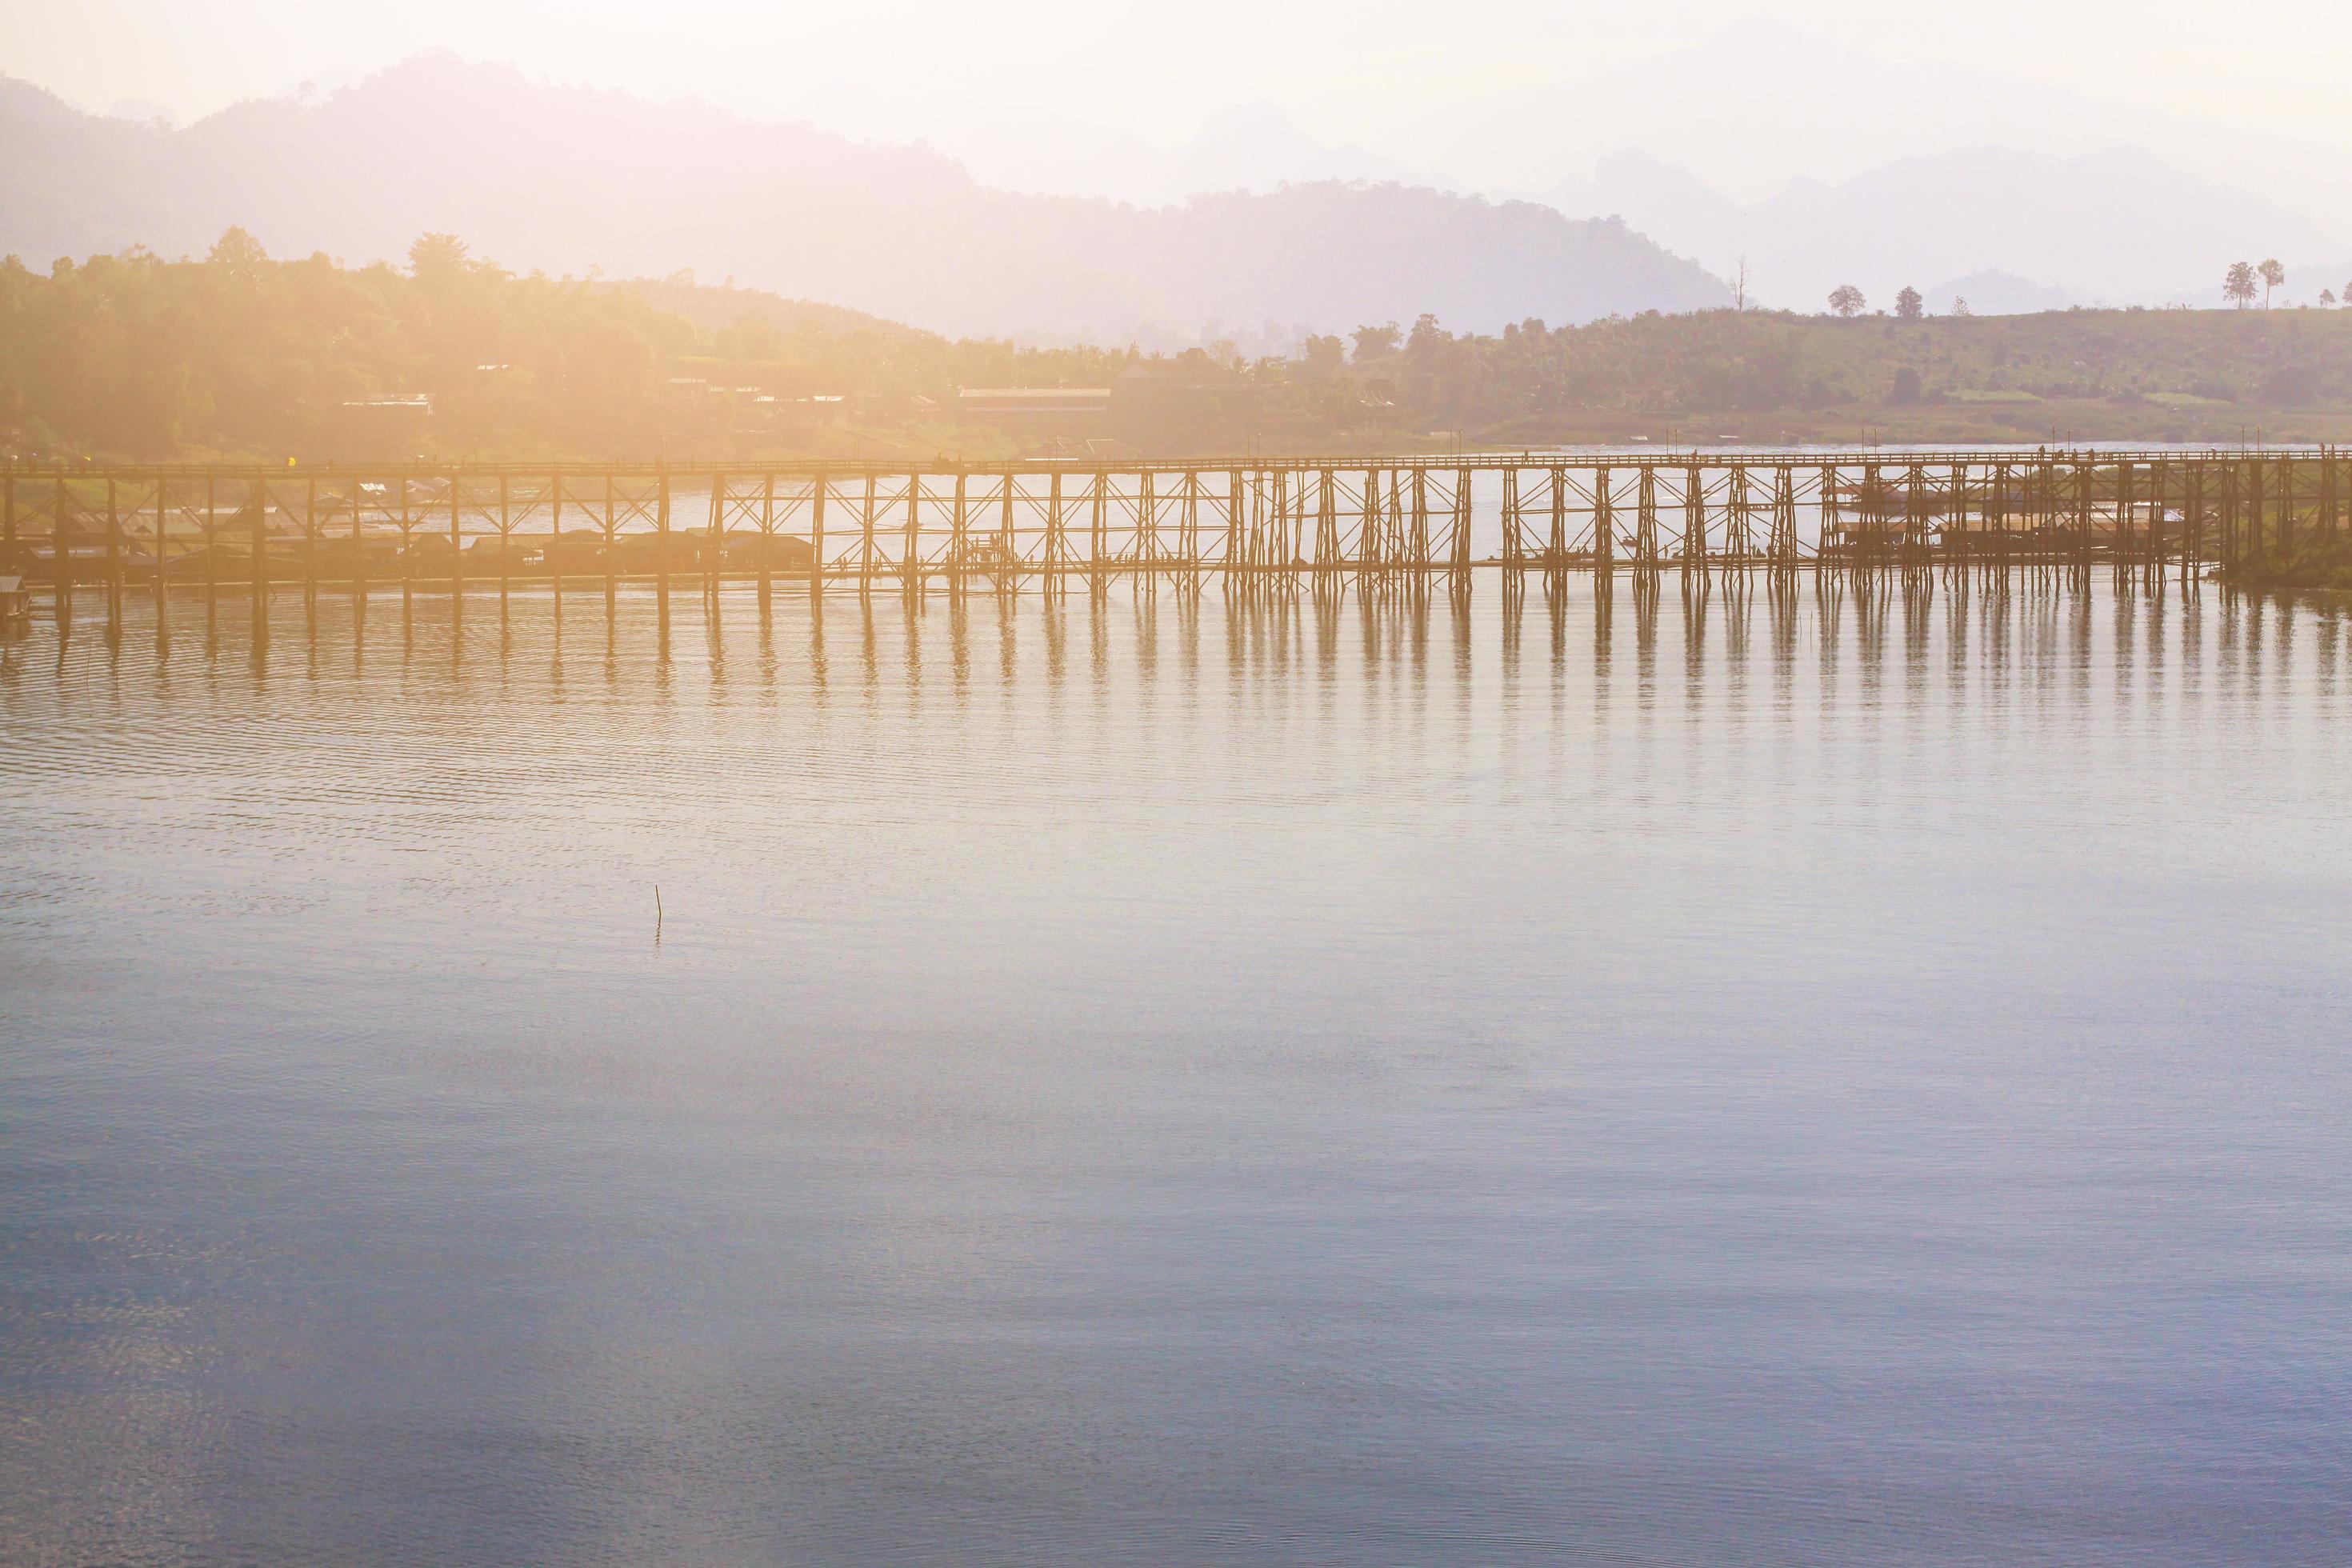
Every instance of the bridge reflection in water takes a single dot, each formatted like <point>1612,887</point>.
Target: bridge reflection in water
<point>1700,630</point>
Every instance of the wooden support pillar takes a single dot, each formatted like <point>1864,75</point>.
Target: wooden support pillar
<point>1274,520</point>
<point>407,553</point>
<point>1604,525</point>
<point>2251,546</point>
<point>2192,522</point>
<point>1266,538</point>
<point>2322,494</point>
<point>457,554</point>
<point>1412,518</point>
<point>555,544</point>
<point>1098,527</point>
<point>310,550</point>
<point>817,534</point>
<point>162,501</point>
<point>1556,547</point>
<point>258,504</point>
<point>2083,476</point>
<point>506,545</point>
<point>1645,519</point>
<point>1368,525</point>
<point>1694,520</point>
<point>911,555</point>
<point>8,525</point>
<point>717,540</point>
<point>661,550</point>
<point>2119,552</point>
<point>865,540</point>
<point>1054,546</point>
<point>767,531</point>
<point>1739,517</point>
<point>960,536</point>
<point>1007,540</point>
<point>1955,512</point>
<point>1144,545</point>
<point>1995,514</point>
<point>1784,517</point>
<point>359,556</point>
<point>61,546</point>
<point>1837,534</point>
<point>209,530</point>
<point>1326,522</point>
<point>1512,561</point>
<point>1462,498</point>
<point>1914,520</point>
<point>113,558</point>
<point>1184,555</point>
<point>1464,495</point>
<point>2284,510</point>
<point>611,552</point>
<point>1234,521</point>
<point>2226,522</point>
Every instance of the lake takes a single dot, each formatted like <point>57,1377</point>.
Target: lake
<point>1856,1074</point>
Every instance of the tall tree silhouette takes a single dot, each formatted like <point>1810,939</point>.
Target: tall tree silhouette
<point>2272,275</point>
<point>2238,284</point>
<point>1847,301</point>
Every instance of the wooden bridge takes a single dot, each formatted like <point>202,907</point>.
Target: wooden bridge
<point>1257,524</point>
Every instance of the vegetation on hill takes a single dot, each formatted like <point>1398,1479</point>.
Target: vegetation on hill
<point>237,355</point>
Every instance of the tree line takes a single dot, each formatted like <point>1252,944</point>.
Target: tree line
<point>235,355</point>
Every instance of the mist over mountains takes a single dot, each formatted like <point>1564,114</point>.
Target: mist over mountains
<point>1244,147</point>
<point>1756,105</point>
<point>1020,224</point>
<point>562,179</point>
<point>1819,160</point>
<point>2117,227</point>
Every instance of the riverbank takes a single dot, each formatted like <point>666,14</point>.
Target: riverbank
<point>2322,568</point>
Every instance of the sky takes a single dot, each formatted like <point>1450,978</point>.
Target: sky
<point>1344,70</point>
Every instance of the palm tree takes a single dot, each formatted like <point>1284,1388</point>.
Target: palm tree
<point>2273,275</point>
<point>2238,284</point>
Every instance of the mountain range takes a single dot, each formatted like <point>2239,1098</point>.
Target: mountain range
<point>1819,160</point>
<point>562,179</point>
<point>2114,226</point>
<point>1251,228</point>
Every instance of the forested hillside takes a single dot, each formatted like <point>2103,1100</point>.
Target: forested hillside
<point>238,354</point>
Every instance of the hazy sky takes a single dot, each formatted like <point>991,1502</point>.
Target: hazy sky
<point>1345,69</point>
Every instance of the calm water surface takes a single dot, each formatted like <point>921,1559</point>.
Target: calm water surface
<point>1839,1080</point>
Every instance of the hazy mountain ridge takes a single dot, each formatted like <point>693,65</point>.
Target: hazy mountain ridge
<point>562,179</point>
<point>1752,105</point>
<point>2116,227</point>
<point>1247,147</point>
